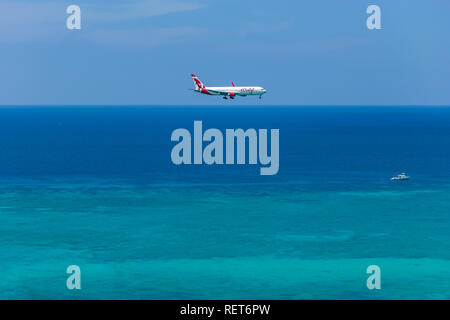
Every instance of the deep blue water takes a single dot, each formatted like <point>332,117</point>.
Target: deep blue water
<point>316,142</point>
<point>95,186</point>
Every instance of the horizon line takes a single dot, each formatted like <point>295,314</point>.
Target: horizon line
<point>222,105</point>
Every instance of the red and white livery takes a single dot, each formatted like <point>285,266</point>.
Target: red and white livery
<point>227,92</point>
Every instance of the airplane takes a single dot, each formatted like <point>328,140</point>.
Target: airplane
<point>227,92</point>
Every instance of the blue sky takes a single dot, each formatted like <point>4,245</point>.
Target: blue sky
<point>142,52</point>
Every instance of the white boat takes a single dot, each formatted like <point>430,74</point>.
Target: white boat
<point>401,176</point>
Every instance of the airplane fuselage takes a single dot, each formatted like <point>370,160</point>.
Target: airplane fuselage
<point>227,92</point>
<point>230,91</point>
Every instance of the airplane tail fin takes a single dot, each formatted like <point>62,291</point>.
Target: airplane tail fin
<point>197,83</point>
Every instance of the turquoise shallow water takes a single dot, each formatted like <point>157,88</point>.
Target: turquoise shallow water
<point>95,187</point>
<point>222,241</point>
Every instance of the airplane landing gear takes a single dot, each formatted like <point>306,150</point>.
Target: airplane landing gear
<point>260,96</point>
<point>225,98</point>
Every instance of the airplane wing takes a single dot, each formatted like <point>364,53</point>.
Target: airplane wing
<point>225,94</point>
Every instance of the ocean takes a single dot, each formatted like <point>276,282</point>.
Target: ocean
<point>95,187</point>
